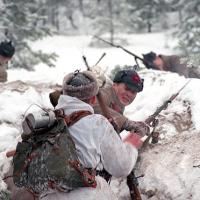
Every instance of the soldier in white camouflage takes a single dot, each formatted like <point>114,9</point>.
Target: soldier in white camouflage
<point>98,146</point>
<point>117,95</point>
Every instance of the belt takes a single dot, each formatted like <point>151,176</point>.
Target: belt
<point>104,174</point>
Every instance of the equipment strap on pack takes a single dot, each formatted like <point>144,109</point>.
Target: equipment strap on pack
<point>87,174</point>
<point>75,116</point>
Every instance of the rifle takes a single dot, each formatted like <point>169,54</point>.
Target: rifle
<point>132,183</point>
<point>147,63</point>
<point>101,101</point>
<point>100,59</point>
<point>54,96</point>
<point>86,63</point>
<point>152,121</point>
<point>131,178</point>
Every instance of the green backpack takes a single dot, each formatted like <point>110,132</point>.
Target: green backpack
<point>48,159</point>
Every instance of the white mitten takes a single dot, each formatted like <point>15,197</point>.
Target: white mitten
<point>102,79</point>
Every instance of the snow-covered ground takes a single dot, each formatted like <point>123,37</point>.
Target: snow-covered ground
<point>169,165</point>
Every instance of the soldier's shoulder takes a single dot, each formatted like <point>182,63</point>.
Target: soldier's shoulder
<point>107,90</point>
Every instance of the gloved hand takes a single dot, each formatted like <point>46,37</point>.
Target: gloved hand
<point>98,72</point>
<point>102,79</point>
<point>140,128</point>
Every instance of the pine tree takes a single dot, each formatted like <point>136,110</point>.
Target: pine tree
<point>189,29</point>
<point>108,18</point>
<point>22,21</point>
<point>144,14</point>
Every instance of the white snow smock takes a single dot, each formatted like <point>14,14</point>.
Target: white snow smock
<point>98,146</point>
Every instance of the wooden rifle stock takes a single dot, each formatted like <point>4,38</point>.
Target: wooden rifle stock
<point>103,106</point>
<point>133,186</point>
<point>105,111</point>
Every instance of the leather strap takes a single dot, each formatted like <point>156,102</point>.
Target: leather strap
<point>75,116</point>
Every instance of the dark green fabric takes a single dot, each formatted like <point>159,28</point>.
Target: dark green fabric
<point>19,161</point>
<point>50,153</point>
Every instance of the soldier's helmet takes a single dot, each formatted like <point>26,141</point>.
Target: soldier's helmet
<point>130,78</point>
<point>149,58</point>
<point>7,49</point>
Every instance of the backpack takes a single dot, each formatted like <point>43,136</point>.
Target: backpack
<point>46,158</point>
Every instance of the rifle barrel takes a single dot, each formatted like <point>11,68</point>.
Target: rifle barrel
<point>165,104</point>
<point>126,50</point>
<point>152,117</point>
<point>175,95</point>
<point>100,59</point>
<point>86,63</point>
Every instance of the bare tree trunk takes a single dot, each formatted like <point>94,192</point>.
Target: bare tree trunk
<point>51,12</point>
<point>150,16</point>
<point>70,18</point>
<point>56,15</point>
<point>81,6</point>
<point>69,12</point>
<point>180,16</point>
<point>111,26</point>
<point>44,12</point>
<point>149,25</point>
